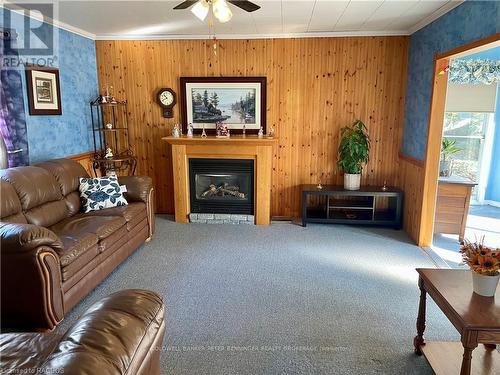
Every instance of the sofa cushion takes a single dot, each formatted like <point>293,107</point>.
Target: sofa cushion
<point>101,226</point>
<point>75,245</point>
<point>25,353</point>
<point>116,239</point>
<point>99,193</point>
<point>67,173</point>
<point>76,264</point>
<point>39,193</point>
<point>133,213</point>
<point>10,205</point>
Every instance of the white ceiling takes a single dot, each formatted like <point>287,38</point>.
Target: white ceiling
<point>107,19</point>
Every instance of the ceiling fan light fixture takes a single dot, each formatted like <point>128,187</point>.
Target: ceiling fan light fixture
<point>221,10</point>
<point>200,9</point>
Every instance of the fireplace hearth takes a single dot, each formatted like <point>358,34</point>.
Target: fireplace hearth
<point>221,186</point>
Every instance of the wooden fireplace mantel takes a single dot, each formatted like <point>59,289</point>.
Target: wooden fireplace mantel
<point>236,147</point>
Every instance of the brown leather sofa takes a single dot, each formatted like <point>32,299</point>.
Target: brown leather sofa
<point>52,255</point>
<point>121,334</point>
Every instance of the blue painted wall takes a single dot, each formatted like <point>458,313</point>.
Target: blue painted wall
<point>493,188</point>
<point>71,133</point>
<point>468,22</point>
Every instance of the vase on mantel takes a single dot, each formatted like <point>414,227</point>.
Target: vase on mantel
<point>484,285</point>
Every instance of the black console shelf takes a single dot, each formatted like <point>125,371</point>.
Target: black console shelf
<point>371,205</point>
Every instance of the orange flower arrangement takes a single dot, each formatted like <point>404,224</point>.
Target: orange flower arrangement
<point>480,258</point>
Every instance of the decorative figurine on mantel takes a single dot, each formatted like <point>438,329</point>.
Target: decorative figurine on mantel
<point>190,131</point>
<point>176,131</point>
<point>221,130</point>
<point>261,132</point>
<point>109,153</point>
<point>270,133</point>
<point>203,132</point>
<point>244,131</point>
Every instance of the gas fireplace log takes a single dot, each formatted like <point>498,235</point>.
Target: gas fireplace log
<point>222,191</point>
<point>233,193</point>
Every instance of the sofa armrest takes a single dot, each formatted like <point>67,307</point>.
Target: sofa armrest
<point>26,237</point>
<point>140,189</point>
<point>31,286</point>
<point>120,334</point>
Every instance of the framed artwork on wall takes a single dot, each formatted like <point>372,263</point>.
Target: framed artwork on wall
<point>44,93</point>
<point>238,102</point>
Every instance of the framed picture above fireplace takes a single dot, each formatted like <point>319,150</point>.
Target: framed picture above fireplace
<point>238,102</point>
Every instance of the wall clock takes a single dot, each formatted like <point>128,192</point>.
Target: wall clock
<point>167,99</point>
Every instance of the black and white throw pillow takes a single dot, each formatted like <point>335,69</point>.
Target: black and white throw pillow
<point>99,193</point>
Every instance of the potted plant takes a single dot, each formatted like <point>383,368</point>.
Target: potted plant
<point>448,148</point>
<point>484,263</point>
<point>354,151</point>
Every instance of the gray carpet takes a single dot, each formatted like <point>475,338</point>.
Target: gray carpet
<point>282,299</point>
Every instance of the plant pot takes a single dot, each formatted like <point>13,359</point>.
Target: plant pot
<point>484,285</point>
<point>445,168</point>
<point>352,181</point>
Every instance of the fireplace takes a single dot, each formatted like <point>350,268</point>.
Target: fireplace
<point>221,186</point>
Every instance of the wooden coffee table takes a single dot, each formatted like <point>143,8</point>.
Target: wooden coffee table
<point>476,318</point>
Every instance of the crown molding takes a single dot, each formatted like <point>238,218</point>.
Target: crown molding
<point>452,4</point>
<point>60,25</point>
<point>332,34</point>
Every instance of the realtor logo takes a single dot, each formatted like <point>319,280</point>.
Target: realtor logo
<point>28,36</point>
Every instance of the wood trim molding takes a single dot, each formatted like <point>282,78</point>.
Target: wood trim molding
<point>411,160</point>
<point>431,168</point>
<point>82,156</point>
<point>435,132</point>
<point>472,47</point>
<point>86,159</point>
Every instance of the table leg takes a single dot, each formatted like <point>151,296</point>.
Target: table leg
<point>418,341</point>
<point>466,361</point>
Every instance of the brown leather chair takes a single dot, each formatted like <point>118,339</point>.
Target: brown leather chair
<point>52,255</point>
<point>121,334</point>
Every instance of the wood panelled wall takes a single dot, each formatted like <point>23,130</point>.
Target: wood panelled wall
<point>411,179</point>
<point>315,86</point>
<point>85,160</point>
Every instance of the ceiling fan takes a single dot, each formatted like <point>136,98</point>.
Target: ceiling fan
<point>220,8</point>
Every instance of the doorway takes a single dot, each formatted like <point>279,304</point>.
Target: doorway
<point>467,204</point>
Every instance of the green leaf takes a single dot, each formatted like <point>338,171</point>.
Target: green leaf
<point>354,147</point>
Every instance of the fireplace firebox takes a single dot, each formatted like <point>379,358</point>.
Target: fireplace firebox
<point>221,186</point>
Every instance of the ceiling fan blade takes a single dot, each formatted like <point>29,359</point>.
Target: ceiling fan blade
<point>245,5</point>
<point>185,4</point>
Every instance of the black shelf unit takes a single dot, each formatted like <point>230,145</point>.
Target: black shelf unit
<point>371,205</point>
<point>116,138</point>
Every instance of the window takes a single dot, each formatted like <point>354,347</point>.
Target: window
<point>469,130</point>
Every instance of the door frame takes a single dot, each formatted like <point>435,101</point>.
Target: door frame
<point>435,131</point>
